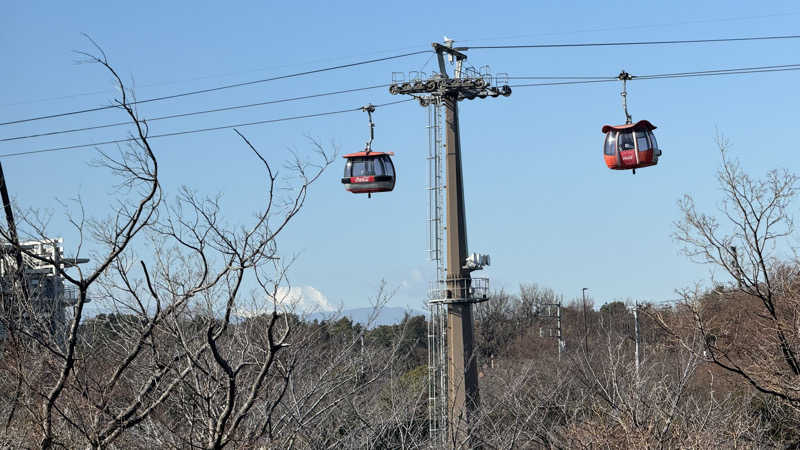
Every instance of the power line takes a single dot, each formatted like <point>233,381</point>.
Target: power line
<point>742,70</point>
<point>218,88</point>
<point>703,73</point>
<point>571,80</point>
<point>200,130</point>
<point>309,72</point>
<point>194,113</point>
<point>298,74</point>
<point>201,78</point>
<point>618,44</point>
<point>718,70</point>
<point>558,83</point>
<point>561,78</point>
<point>635,27</point>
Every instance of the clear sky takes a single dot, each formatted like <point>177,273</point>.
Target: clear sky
<point>539,197</point>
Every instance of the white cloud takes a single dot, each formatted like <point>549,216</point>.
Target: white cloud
<point>295,299</point>
<point>303,298</point>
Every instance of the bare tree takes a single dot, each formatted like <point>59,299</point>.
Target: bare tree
<point>172,331</point>
<point>139,171</point>
<point>750,324</point>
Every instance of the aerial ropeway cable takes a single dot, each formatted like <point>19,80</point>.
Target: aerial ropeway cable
<point>199,130</point>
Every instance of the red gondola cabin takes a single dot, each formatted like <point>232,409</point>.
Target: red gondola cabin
<point>368,172</point>
<point>630,146</point>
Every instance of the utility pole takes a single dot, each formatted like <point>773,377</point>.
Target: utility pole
<point>459,295</point>
<point>636,334</point>
<point>585,325</point>
<point>561,344</point>
<point>636,356</point>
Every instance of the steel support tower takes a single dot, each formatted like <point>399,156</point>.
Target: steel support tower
<point>562,346</point>
<point>459,290</point>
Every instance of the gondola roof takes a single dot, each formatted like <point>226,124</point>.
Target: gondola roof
<point>638,125</point>
<point>364,153</point>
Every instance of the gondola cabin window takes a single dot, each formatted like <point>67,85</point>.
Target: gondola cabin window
<point>369,172</point>
<point>361,167</point>
<point>641,141</point>
<point>653,140</point>
<point>611,143</point>
<point>625,141</point>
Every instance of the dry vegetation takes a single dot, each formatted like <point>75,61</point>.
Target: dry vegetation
<point>170,365</point>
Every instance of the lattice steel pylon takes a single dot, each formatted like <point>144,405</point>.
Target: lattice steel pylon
<point>437,323</point>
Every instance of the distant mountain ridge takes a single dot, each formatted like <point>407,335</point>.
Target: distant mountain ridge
<point>389,315</point>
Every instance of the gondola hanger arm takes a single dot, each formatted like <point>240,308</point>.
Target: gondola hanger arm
<point>624,77</point>
<point>369,109</point>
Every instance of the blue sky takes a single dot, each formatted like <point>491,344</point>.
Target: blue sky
<point>539,198</point>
